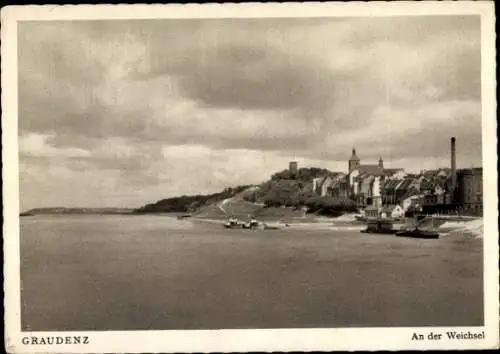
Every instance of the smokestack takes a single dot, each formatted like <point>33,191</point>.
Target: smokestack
<point>453,167</point>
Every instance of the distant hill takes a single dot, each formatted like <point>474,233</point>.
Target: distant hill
<point>189,203</point>
<point>61,210</point>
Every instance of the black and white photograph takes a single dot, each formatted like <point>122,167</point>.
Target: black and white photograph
<point>207,170</point>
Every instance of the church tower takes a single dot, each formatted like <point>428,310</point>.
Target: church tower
<point>353,160</point>
<point>381,162</point>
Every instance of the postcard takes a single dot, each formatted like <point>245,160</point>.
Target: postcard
<point>250,177</point>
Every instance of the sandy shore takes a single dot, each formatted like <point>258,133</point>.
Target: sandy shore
<point>471,227</point>
<point>319,223</point>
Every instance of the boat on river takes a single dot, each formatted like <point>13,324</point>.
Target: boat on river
<point>252,224</point>
<point>423,228</point>
<point>383,226</point>
<point>183,216</point>
<point>233,223</point>
<point>420,227</point>
<point>418,233</point>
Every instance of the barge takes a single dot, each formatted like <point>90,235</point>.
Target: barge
<point>383,226</point>
<point>418,233</point>
<point>421,227</point>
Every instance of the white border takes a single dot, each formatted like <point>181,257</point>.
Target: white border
<point>245,340</point>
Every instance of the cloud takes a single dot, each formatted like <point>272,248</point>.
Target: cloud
<point>35,145</point>
<point>137,100</point>
<point>252,76</point>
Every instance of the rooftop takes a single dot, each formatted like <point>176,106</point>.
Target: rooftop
<point>472,170</point>
<point>375,170</point>
<point>389,207</point>
<point>392,170</point>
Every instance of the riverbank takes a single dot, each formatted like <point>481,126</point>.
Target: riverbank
<point>446,226</point>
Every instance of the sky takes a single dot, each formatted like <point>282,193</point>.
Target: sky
<point>120,113</point>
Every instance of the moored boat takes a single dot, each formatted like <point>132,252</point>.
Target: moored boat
<point>422,228</point>
<point>252,224</point>
<point>417,233</point>
<point>382,226</point>
<point>233,223</point>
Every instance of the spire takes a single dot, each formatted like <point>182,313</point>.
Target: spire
<point>353,160</point>
<point>353,156</point>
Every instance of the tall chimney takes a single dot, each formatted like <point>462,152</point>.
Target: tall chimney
<point>453,168</point>
<point>293,167</point>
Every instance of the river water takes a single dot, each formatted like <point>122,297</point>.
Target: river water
<point>156,272</point>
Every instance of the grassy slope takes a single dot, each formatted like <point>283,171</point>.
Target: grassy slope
<point>243,201</point>
<point>238,207</point>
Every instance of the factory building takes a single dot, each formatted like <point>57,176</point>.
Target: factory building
<point>469,193</point>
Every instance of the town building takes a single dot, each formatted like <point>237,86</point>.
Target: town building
<point>389,191</point>
<point>355,164</point>
<point>372,212</point>
<point>412,202</point>
<point>372,186</point>
<point>360,172</point>
<point>392,211</point>
<point>384,212</point>
<point>333,185</point>
<point>340,188</point>
<point>376,199</point>
<point>469,193</point>
<point>323,185</point>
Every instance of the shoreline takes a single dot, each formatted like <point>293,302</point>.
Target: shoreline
<point>472,226</point>
<point>449,224</point>
<point>320,223</point>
